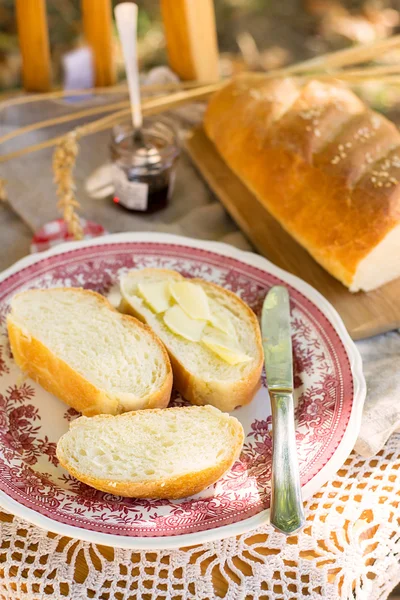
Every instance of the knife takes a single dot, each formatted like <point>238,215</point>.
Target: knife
<point>286,512</point>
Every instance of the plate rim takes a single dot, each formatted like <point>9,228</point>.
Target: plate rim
<point>333,464</point>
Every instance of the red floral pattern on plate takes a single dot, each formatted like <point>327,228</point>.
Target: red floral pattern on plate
<point>31,420</point>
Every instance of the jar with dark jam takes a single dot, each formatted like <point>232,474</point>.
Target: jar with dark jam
<point>143,169</point>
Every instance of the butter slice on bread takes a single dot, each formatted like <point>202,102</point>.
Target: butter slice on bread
<point>216,356</point>
<point>82,350</point>
<point>169,453</point>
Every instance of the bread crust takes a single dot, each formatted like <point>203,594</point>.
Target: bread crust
<point>315,166</point>
<point>60,379</point>
<point>223,395</point>
<point>172,487</point>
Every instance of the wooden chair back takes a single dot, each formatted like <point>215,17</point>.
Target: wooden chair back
<point>190,34</point>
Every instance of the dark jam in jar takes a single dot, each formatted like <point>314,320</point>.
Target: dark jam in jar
<point>143,170</point>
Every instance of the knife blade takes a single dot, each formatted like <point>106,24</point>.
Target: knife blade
<point>286,511</point>
<point>277,339</point>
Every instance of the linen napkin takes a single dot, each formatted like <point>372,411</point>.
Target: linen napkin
<point>381,416</point>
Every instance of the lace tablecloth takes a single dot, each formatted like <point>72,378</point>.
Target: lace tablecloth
<point>348,549</point>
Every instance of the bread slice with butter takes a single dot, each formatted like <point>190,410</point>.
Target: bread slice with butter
<point>82,350</point>
<point>169,453</point>
<point>212,337</point>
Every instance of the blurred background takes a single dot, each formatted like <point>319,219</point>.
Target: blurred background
<point>260,34</point>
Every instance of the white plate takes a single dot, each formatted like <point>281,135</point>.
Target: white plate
<point>330,392</point>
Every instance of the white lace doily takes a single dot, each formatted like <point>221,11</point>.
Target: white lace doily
<point>348,549</point>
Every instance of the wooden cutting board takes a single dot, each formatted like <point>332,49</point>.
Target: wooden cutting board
<point>364,314</point>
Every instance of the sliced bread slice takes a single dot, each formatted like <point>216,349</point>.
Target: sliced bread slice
<point>169,453</point>
<point>200,375</point>
<point>82,350</point>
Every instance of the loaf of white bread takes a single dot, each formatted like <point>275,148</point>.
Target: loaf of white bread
<point>168,453</point>
<point>323,164</point>
<point>79,348</point>
<point>212,337</point>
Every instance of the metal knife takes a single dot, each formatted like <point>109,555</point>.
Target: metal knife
<point>286,513</point>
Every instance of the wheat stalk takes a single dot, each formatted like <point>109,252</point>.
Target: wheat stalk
<point>350,75</point>
<point>116,89</point>
<point>349,56</point>
<point>318,68</point>
<point>64,159</point>
<point>64,119</point>
<point>354,76</point>
<point>25,98</point>
<point>3,192</point>
<point>150,106</point>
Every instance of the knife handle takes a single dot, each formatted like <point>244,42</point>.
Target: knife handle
<point>287,513</point>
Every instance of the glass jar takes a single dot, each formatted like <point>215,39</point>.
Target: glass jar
<point>143,170</point>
